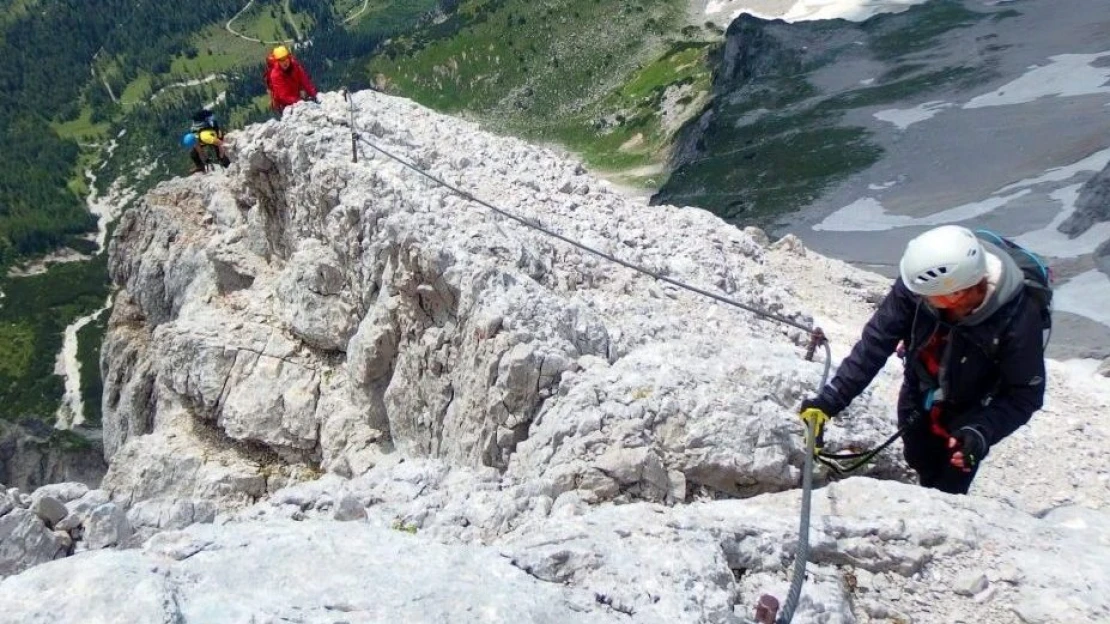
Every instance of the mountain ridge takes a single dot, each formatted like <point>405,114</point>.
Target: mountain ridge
<point>858,136</point>
<point>305,341</point>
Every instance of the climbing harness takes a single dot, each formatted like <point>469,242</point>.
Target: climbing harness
<point>817,339</point>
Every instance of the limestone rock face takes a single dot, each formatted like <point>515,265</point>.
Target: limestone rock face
<point>315,366</point>
<point>309,314</point>
<point>313,298</point>
<point>871,556</point>
<point>57,520</point>
<point>180,577</point>
<point>29,460</point>
<point>106,526</point>
<point>49,510</point>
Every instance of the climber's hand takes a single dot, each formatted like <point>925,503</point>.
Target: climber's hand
<point>969,447</point>
<point>815,413</point>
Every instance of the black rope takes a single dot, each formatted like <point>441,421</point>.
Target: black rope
<point>832,460</point>
<point>801,555</point>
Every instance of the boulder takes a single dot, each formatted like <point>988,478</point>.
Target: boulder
<point>106,525</point>
<point>25,542</point>
<point>49,510</point>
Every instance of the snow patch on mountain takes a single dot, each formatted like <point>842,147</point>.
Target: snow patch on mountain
<point>868,215</point>
<point>1050,241</point>
<point>1067,75</point>
<point>1087,294</point>
<point>724,11</point>
<point>903,118</point>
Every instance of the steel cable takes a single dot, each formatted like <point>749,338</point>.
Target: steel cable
<point>801,555</point>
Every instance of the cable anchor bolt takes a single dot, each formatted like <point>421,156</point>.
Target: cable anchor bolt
<point>816,339</point>
<point>767,609</point>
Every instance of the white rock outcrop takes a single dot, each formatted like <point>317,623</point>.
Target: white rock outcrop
<point>323,377</point>
<point>308,313</point>
<point>873,560</point>
<point>26,531</point>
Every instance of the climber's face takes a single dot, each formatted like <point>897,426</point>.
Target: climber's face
<point>284,63</point>
<point>962,302</point>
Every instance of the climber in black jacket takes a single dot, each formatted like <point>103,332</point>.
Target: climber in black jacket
<point>974,355</point>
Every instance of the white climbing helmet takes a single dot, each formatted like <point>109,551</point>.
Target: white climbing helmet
<point>942,261</point>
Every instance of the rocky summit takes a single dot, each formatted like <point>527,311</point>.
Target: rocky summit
<point>338,391</point>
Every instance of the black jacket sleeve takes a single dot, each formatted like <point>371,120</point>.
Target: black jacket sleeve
<point>1022,378</point>
<point>888,325</point>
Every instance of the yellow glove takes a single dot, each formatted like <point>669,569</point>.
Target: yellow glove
<point>814,419</point>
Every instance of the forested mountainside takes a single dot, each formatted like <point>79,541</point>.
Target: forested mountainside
<point>96,95</point>
<point>77,75</point>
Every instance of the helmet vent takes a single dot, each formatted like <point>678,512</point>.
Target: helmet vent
<point>932,274</point>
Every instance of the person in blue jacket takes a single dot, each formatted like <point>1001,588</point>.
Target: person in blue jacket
<point>974,355</point>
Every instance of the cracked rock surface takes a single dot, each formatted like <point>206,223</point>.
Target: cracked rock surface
<point>338,392</point>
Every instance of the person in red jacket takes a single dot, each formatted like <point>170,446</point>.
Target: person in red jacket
<point>286,80</point>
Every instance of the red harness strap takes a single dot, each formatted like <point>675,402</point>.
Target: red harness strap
<point>930,356</point>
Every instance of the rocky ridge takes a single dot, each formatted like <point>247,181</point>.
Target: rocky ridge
<point>315,366</point>
<point>1090,206</point>
<point>855,137</point>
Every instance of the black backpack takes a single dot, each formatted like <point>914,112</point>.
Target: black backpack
<point>204,119</point>
<point>1038,276</point>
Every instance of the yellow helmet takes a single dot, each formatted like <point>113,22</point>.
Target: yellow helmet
<point>280,52</point>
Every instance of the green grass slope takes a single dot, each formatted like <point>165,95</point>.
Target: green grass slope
<point>609,80</point>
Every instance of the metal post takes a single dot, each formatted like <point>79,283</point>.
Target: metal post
<point>354,130</point>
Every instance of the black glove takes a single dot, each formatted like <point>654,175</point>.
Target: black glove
<point>314,99</point>
<point>818,403</point>
<point>973,444</point>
